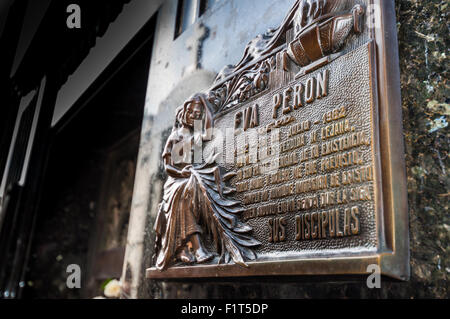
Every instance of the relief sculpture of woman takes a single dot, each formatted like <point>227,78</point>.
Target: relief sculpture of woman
<point>196,204</point>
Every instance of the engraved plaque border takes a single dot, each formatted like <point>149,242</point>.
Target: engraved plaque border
<point>391,192</point>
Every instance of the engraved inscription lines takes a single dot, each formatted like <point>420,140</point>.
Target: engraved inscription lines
<point>311,173</point>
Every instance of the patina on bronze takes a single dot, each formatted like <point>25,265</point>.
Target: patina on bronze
<point>311,179</point>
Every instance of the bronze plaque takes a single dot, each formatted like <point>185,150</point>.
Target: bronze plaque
<point>291,163</point>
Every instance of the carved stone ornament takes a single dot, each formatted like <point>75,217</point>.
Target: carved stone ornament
<point>291,163</point>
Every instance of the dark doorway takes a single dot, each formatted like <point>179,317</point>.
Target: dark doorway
<point>86,201</point>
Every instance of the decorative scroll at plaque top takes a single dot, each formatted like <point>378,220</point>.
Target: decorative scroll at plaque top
<point>320,33</point>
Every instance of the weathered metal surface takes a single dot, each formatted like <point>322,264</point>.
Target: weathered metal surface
<point>296,127</point>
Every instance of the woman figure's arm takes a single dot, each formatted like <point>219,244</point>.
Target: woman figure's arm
<point>175,172</point>
<point>170,168</point>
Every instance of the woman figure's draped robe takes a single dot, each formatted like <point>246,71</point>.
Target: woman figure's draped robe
<point>200,199</point>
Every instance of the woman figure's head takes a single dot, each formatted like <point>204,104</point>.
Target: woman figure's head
<point>194,109</point>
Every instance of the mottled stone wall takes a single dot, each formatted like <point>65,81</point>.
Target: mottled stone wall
<point>423,45</point>
<point>423,42</point>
